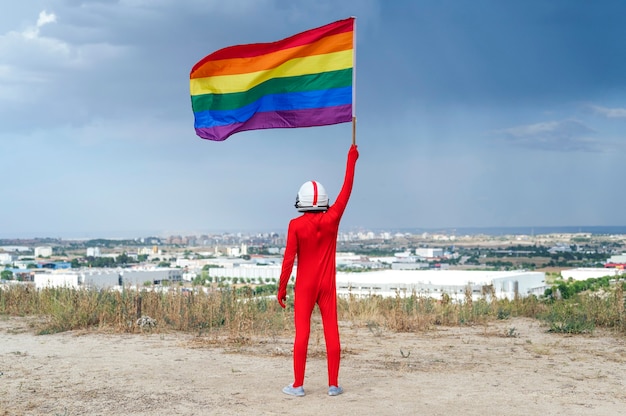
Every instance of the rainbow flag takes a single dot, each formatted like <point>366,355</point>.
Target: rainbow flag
<point>301,81</point>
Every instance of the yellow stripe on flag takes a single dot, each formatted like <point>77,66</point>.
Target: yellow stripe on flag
<point>226,84</point>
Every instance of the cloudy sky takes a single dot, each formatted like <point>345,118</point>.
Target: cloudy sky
<point>470,114</point>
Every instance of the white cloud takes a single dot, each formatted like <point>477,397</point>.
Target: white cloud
<point>29,50</point>
<point>39,66</point>
<point>45,18</point>
<point>565,135</point>
<point>610,112</point>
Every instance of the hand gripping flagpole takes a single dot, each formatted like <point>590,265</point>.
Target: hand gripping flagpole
<point>354,82</point>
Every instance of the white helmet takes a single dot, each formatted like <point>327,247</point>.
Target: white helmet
<point>312,197</point>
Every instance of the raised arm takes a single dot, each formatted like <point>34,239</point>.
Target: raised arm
<point>344,195</point>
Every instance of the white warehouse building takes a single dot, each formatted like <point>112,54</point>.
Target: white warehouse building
<point>49,280</point>
<point>106,278</point>
<point>584,273</point>
<point>429,252</point>
<point>247,272</point>
<point>434,283</point>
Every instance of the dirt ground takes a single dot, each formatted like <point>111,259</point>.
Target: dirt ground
<point>512,367</point>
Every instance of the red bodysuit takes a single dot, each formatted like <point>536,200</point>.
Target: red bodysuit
<point>312,237</point>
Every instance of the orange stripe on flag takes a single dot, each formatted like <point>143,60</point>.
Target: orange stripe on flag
<point>329,44</point>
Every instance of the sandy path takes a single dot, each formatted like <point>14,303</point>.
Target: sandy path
<point>510,367</point>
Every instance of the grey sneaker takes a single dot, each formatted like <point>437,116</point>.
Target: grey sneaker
<point>294,391</point>
<point>335,391</point>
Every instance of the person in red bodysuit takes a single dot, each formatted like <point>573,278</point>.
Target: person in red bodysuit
<point>312,238</point>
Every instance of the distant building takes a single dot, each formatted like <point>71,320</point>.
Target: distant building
<point>252,272</point>
<point>56,265</point>
<point>584,273</point>
<point>16,249</point>
<point>405,265</point>
<point>139,277</point>
<point>618,258</point>
<point>43,251</point>
<point>435,283</point>
<point>615,265</point>
<point>429,252</point>
<point>560,248</point>
<point>6,258</point>
<point>108,278</point>
<point>23,264</point>
<point>146,251</point>
<point>67,280</point>
<point>93,251</point>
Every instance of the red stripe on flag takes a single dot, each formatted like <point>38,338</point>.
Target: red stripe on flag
<point>257,49</point>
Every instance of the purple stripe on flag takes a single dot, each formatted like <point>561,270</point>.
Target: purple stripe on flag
<point>281,119</point>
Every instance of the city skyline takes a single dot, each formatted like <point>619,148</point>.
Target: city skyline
<point>345,234</point>
<point>469,114</point>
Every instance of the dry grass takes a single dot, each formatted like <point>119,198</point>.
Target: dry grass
<point>228,316</point>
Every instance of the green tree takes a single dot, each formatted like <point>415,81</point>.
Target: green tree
<point>211,266</point>
<point>198,281</point>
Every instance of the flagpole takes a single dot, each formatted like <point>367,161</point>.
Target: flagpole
<point>354,82</point>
